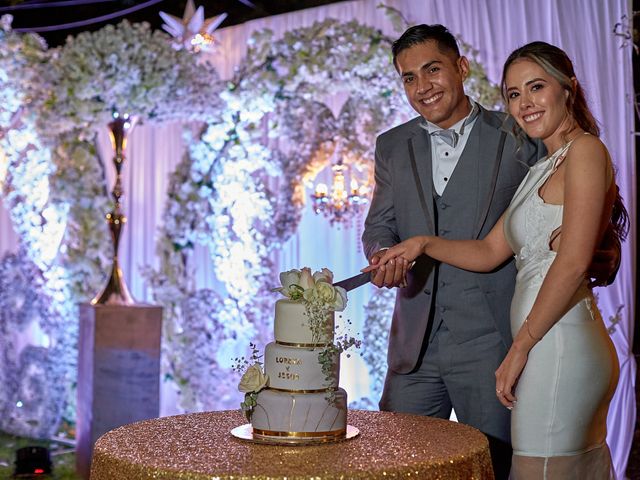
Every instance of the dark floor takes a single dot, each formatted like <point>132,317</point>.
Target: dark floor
<point>633,469</point>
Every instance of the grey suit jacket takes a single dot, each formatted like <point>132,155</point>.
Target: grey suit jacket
<point>494,167</point>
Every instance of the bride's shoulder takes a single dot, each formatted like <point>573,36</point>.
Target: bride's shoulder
<point>588,155</point>
<point>588,148</point>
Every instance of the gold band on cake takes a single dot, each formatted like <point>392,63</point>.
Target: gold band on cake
<point>273,433</point>
<point>302,345</point>
<point>320,390</point>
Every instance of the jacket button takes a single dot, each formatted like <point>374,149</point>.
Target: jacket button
<point>428,292</point>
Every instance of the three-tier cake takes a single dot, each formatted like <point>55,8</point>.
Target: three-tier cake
<point>299,396</point>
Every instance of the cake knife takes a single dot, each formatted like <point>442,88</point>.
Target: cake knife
<point>354,282</point>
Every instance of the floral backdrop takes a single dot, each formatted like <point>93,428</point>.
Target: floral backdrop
<point>237,192</point>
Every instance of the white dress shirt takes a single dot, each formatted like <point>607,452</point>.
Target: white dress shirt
<point>444,157</point>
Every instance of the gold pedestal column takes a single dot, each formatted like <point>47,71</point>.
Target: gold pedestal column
<point>116,291</point>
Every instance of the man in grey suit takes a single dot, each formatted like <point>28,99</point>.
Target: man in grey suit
<point>450,172</point>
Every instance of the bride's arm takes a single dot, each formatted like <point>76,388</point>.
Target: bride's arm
<point>475,255</point>
<point>587,205</point>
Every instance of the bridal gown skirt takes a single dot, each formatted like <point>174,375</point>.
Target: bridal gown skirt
<point>559,421</point>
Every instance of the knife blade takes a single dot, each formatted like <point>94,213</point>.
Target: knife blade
<point>354,282</point>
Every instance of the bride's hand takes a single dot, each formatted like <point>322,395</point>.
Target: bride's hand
<point>507,375</point>
<point>408,250</point>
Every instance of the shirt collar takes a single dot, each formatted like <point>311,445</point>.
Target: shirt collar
<point>457,127</point>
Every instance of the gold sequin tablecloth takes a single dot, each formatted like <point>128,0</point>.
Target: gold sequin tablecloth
<point>199,447</point>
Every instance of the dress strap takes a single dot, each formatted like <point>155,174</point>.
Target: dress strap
<point>562,154</point>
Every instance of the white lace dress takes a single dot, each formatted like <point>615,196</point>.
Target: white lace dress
<point>559,422</point>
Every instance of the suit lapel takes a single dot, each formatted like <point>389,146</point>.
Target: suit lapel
<point>420,155</point>
<point>487,142</point>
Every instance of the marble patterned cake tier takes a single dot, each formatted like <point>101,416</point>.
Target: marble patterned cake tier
<point>297,369</point>
<point>310,415</point>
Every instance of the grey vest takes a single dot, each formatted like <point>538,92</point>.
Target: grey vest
<point>460,302</point>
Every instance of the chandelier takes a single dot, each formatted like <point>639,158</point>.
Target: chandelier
<point>337,202</point>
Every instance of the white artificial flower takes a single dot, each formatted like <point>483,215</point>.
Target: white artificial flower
<point>340,299</point>
<point>306,279</point>
<point>253,379</point>
<point>324,275</point>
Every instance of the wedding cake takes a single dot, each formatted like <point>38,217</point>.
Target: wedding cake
<point>297,396</point>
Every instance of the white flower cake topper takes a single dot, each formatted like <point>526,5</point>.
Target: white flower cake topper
<point>313,288</point>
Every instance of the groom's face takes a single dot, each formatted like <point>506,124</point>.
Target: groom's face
<point>432,81</point>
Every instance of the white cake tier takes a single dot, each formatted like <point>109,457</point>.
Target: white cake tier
<point>291,325</point>
<point>298,370</point>
<point>312,415</point>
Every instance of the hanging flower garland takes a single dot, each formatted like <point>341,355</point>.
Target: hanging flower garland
<point>124,68</point>
<point>25,166</point>
<point>377,324</point>
<point>35,376</point>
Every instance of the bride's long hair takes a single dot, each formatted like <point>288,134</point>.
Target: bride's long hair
<point>557,63</point>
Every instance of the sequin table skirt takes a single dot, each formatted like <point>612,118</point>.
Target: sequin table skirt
<point>199,446</point>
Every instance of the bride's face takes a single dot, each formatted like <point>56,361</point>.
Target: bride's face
<point>537,101</point>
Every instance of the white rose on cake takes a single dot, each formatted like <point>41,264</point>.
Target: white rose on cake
<point>290,281</point>
<point>323,293</point>
<point>324,275</point>
<point>253,380</point>
<point>307,281</point>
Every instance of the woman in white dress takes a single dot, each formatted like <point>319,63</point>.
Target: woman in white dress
<point>561,371</point>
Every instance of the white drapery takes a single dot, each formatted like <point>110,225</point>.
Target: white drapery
<point>583,28</point>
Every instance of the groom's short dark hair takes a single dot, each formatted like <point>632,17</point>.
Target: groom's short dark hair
<point>423,33</point>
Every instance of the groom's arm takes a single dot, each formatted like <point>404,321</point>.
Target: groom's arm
<point>380,231</point>
<point>380,227</point>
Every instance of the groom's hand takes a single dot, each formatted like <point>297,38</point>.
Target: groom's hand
<point>389,275</point>
<point>606,260</point>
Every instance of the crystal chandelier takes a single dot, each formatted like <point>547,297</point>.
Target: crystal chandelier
<point>336,202</point>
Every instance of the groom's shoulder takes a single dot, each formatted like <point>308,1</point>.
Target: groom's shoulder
<point>405,129</point>
<point>496,118</point>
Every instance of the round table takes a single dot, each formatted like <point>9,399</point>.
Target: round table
<point>199,446</point>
